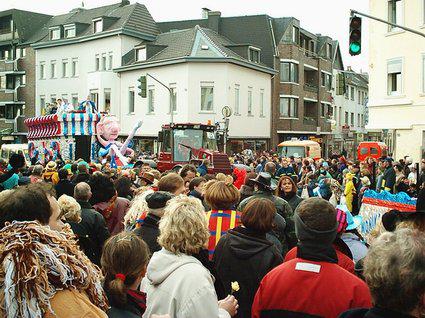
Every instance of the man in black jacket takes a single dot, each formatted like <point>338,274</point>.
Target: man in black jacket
<point>64,186</point>
<point>149,229</point>
<point>388,181</point>
<point>92,231</point>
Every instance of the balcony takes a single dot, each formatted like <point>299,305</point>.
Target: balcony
<point>310,121</point>
<point>308,87</point>
<point>10,67</point>
<point>10,95</point>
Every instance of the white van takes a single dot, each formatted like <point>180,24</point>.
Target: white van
<point>9,149</point>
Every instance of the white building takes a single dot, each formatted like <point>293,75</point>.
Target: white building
<point>77,52</point>
<point>349,112</point>
<point>397,77</point>
<point>204,75</point>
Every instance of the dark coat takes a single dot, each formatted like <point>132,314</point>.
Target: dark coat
<point>64,187</point>
<point>91,232</point>
<point>389,179</point>
<point>373,313</point>
<point>246,257</point>
<point>293,200</point>
<point>81,177</point>
<point>149,232</point>
<point>134,308</point>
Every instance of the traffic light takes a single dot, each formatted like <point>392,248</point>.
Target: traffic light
<point>142,86</point>
<point>355,36</point>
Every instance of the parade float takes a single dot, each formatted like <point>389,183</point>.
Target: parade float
<point>375,204</point>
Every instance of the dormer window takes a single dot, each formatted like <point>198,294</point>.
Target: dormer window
<point>141,54</point>
<point>328,50</point>
<point>55,33</point>
<point>98,25</point>
<point>69,31</point>
<point>254,54</point>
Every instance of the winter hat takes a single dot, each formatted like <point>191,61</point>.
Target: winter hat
<point>341,218</point>
<point>158,199</point>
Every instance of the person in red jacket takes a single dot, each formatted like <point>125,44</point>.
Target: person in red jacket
<point>312,284</point>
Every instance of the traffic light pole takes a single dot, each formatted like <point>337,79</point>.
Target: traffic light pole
<point>169,91</point>
<point>354,13</point>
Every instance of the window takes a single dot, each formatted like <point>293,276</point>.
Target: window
<point>23,52</point>
<point>70,31</point>
<point>352,92</point>
<point>262,103</point>
<point>74,100</point>
<point>103,62</point>
<point>249,101</point>
<point>328,81</point>
<point>323,109</point>
<point>254,55</point>
<point>237,97</point>
<point>352,119</point>
<point>131,100</point>
<point>328,50</point>
<point>289,72</point>
<point>65,98</point>
<point>2,81</point>
<point>53,69</point>
<point>359,96</point>
<point>173,99</point>
<point>395,13</point>
<point>110,60</point>
<point>346,118</point>
<point>24,80</point>
<point>394,74</point>
<point>97,62</point>
<point>11,111</point>
<point>207,98</point>
<point>288,107</point>
<point>423,69</point>
<point>141,54</point>
<point>312,46</point>
<point>358,120</point>
<point>65,68</point>
<point>55,34</point>
<point>151,100</point>
<point>98,26</point>
<point>107,100</point>
<point>42,102</point>
<point>53,98</point>
<point>42,70</point>
<point>323,77</point>
<point>94,97</point>
<point>295,35</point>
<point>340,116</point>
<point>362,120</point>
<point>74,70</point>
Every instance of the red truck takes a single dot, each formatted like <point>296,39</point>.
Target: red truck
<point>179,144</point>
<point>371,149</point>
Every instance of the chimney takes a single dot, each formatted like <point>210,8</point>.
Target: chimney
<point>214,20</point>
<point>124,3</point>
<point>205,13</point>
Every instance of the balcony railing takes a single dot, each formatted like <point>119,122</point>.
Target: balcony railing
<point>310,121</point>
<point>8,65</point>
<point>311,88</point>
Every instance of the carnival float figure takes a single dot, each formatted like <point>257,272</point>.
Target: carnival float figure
<point>108,130</point>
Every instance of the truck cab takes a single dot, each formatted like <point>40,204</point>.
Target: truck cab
<point>180,144</point>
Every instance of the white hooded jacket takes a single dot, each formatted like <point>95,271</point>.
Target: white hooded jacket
<point>179,285</point>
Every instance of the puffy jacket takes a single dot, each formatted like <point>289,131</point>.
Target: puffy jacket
<point>179,285</point>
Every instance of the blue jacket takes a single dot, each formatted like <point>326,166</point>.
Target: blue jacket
<point>202,170</point>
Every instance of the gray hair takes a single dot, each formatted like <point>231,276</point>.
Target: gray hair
<point>394,270</point>
<point>82,191</point>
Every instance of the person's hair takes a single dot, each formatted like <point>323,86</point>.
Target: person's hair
<point>221,195</point>
<point>258,215</point>
<point>126,254</point>
<point>170,183</point>
<point>248,179</point>
<point>37,170</point>
<point>70,209</point>
<point>82,168</point>
<point>279,191</point>
<point>317,214</point>
<point>74,167</point>
<point>28,203</point>
<point>186,168</point>
<point>414,222</point>
<point>102,188</point>
<point>183,228</point>
<point>82,191</point>
<point>398,167</point>
<point>63,174</point>
<point>270,167</point>
<point>394,270</point>
<point>195,182</point>
<point>220,177</point>
<point>156,174</point>
<point>123,186</point>
<point>209,177</point>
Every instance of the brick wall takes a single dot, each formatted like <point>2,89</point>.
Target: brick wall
<point>27,93</point>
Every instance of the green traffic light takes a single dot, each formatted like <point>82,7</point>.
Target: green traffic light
<point>355,47</point>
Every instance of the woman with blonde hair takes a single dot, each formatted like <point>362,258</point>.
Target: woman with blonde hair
<point>70,209</point>
<point>176,282</point>
<point>222,197</point>
<point>124,261</point>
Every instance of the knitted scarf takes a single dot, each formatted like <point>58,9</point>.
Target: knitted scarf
<point>35,263</point>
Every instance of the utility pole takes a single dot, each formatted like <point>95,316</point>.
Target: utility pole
<point>354,13</point>
<point>170,91</point>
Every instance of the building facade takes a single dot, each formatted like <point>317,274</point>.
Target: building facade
<point>204,75</point>
<point>301,100</point>
<point>349,113</point>
<point>17,72</point>
<point>397,77</point>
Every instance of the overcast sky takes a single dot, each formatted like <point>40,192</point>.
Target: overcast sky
<point>328,17</point>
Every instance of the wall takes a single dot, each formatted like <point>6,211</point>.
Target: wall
<point>406,111</point>
<point>187,78</point>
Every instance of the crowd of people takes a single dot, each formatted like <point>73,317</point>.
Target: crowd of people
<point>278,238</point>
